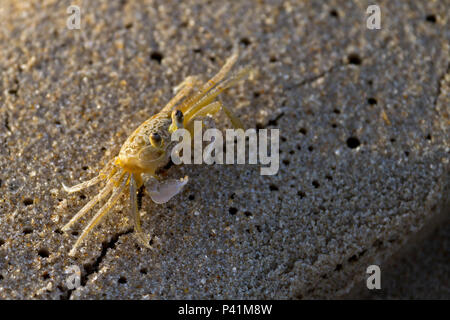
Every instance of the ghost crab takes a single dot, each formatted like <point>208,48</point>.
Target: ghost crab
<point>149,147</point>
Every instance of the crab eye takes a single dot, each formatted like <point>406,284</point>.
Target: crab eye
<point>177,120</point>
<point>155,140</point>
<point>179,115</point>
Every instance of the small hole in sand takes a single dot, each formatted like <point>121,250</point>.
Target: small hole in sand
<point>334,13</point>
<point>28,201</point>
<point>232,211</point>
<point>372,101</point>
<point>122,280</point>
<point>245,41</point>
<point>431,18</point>
<point>157,56</point>
<point>354,58</point>
<point>44,253</point>
<point>353,142</point>
<point>273,187</point>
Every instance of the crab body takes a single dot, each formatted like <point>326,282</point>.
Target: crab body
<point>138,155</point>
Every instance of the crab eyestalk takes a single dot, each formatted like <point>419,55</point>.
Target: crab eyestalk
<point>177,121</point>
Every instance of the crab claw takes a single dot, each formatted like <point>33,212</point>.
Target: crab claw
<point>161,192</point>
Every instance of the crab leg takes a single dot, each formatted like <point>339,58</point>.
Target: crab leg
<point>210,84</point>
<point>183,89</point>
<point>221,74</point>
<point>217,90</point>
<point>89,183</point>
<point>191,81</point>
<point>211,109</point>
<point>103,193</point>
<point>82,185</point>
<point>135,216</point>
<point>100,214</point>
<point>207,102</point>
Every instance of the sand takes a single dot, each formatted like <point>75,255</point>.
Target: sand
<point>364,124</point>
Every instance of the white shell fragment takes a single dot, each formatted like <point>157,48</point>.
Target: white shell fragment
<point>163,191</point>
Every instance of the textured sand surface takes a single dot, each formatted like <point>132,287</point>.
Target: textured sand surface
<point>422,272</point>
<point>364,124</point>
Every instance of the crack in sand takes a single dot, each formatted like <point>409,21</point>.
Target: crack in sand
<point>93,268</point>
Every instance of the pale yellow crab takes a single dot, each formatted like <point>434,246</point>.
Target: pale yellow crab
<point>149,147</point>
